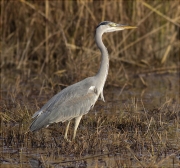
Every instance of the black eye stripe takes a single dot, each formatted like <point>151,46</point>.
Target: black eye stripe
<point>103,23</point>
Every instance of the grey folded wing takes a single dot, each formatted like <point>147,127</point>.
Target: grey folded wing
<point>69,103</point>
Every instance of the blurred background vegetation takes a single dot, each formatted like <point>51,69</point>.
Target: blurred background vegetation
<point>47,45</point>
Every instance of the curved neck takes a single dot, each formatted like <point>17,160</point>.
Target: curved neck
<point>103,70</point>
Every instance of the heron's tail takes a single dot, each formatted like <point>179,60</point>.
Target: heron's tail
<point>38,123</point>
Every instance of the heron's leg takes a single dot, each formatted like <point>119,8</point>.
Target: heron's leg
<point>67,127</point>
<point>77,120</point>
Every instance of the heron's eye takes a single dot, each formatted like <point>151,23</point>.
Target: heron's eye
<point>112,24</point>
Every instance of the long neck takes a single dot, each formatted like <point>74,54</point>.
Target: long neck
<point>103,70</point>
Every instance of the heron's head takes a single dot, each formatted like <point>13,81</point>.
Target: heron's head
<point>108,26</point>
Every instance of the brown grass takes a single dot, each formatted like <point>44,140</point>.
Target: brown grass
<point>147,138</point>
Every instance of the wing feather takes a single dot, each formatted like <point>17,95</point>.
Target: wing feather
<point>71,102</point>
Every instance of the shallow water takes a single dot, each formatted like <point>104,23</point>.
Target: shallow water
<point>160,90</point>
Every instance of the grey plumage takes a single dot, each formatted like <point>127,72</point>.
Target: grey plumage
<point>76,100</point>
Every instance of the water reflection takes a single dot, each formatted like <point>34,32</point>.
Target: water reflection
<point>161,88</point>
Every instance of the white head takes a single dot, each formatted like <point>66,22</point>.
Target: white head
<point>107,26</point>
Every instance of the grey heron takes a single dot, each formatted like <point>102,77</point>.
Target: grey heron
<point>76,100</point>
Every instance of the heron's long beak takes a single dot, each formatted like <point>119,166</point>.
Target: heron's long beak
<point>127,27</point>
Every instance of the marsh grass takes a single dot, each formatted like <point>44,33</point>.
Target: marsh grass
<point>141,137</point>
<point>48,45</point>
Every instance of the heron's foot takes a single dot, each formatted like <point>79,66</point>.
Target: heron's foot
<point>67,139</point>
